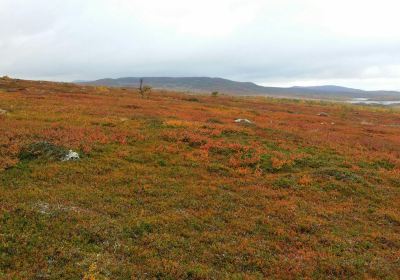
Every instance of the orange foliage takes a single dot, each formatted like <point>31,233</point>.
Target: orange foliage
<point>175,189</point>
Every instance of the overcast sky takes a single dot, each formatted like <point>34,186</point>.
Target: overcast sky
<point>272,42</point>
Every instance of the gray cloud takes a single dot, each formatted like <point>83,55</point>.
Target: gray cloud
<point>270,42</point>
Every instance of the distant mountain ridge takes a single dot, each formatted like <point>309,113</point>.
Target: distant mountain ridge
<point>207,84</point>
<point>331,88</point>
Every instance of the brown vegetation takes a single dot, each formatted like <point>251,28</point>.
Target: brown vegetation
<point>170,187</point>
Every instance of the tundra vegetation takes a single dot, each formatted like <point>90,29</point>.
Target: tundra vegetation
<point>171,187</point>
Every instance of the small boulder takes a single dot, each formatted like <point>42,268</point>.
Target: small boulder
<point>71,155</point>
<point>243,121</point>
<point>366,123</point>
<point>3,112</point>
<point>323,114</point>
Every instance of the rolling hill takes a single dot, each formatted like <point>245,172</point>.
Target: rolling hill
<point>206,84</point>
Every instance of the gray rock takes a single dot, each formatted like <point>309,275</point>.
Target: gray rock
<point>71,155</point>
<point>243,121</point>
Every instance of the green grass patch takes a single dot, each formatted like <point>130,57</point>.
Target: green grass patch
<point>286,182</point>
<point>42,151</point>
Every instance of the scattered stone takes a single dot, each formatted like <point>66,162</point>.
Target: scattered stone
<point>43,208</point>
<point>323,114</point>
<point>3,112</point>
<point>243,121</point>
<point>366,123</point>
<point>71,155</point>
<point>51,209</point>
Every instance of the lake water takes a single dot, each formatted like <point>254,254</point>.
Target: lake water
<point>373,102</point>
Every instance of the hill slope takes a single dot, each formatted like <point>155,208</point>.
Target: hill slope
<point>205,84</point>
<point>195,84</point>
<point>171,187</point>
